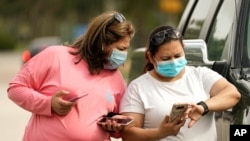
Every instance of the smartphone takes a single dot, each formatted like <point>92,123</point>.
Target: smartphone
<point>74,97</point>
<point>177,109</point>
<point>118,120</point>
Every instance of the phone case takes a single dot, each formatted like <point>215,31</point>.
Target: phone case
<point>177,109</point>
<point>72,97</point>
<point>77,97</point>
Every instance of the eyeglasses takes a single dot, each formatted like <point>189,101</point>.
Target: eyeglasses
<point>159,37</point>
<point>117,17</point>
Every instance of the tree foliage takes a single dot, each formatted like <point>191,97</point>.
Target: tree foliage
<point>27,19</point>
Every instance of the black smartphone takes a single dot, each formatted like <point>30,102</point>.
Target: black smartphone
<point>118,120</point>
<point>177,109</point>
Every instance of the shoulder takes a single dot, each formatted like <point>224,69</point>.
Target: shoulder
<point>198,69</point>
<point>51,55</point>
<point>57,49</point>
<point>141,80</point>
<point>202,72</point>
<point>57,53</point>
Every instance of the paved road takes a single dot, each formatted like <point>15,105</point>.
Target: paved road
<point>12,118</point>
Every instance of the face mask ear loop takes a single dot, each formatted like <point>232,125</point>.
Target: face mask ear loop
<point>102,48</point>
<point>155,61</point>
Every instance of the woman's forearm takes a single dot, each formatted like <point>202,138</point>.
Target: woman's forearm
<point>140,134</point>
<point>225,99</point>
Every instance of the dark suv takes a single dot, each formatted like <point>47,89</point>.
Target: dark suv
<point>217,35</point>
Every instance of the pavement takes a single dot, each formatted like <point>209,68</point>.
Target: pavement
<point>13,118</point>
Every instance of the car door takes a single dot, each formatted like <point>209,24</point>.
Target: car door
<point>224,26</point>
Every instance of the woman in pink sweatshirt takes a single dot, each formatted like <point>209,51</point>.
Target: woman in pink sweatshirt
<point>48,83</point>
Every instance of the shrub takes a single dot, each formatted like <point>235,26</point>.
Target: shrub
<point>7,42</point>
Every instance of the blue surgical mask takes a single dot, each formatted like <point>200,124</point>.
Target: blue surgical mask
<point>116,59</point>
<point>171,68</point>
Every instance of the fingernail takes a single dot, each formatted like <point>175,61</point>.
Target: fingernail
<point>67,92</point>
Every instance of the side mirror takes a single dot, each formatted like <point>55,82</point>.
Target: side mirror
<point>196,53</point>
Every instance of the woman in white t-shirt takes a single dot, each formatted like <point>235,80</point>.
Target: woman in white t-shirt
<point>167,80</point>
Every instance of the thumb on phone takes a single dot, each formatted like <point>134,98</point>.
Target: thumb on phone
<point>166,119</point>
<point>62,94</point>
<point>59,106</point>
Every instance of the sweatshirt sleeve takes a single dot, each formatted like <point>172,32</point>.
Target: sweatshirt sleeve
<point>26,87</point>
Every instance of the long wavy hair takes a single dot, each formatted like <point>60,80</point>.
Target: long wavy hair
<point>94,46</point>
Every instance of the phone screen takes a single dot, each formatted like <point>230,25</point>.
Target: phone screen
<point>120,121</point>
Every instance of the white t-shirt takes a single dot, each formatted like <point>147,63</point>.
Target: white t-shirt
<point>154,99</point>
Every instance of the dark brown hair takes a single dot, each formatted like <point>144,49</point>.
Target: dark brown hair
<point>94,45</point>
<point>154,48</point>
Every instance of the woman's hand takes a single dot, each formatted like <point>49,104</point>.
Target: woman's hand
<point>194,113</point>
<point>59,106</point>
<point>111,125</point>
<point>168,128</point>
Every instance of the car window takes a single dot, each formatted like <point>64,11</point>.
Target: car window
<point>197,19</point>
<point>221,27</point>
